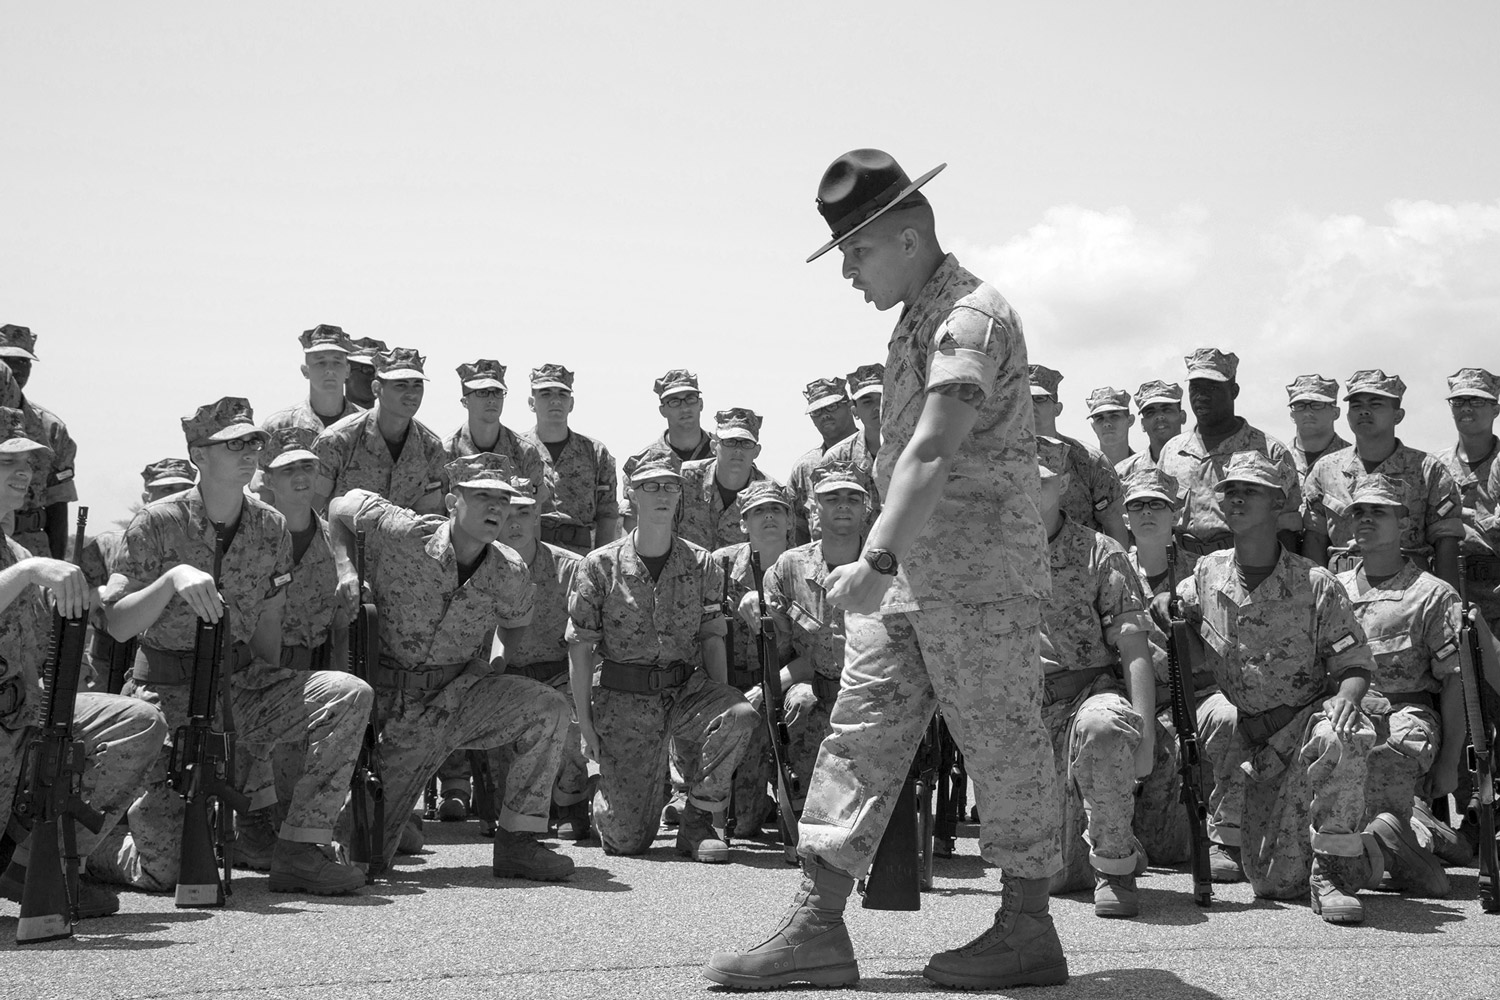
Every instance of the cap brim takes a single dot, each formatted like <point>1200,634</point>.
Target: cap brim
<point>170,481</point>
<point>765,502</point>
<point>1219,486</point>
<point>1212,374</point>
<point>17,445</point>
<point>1109,408</point>
<point>677,390</point>
<point>867,390</point>
<point>736,433</point>
<point>487,483</point>
<point>17,352</point>
<point>234,432</point>
<point>290,456</point>
<point>829,485</point>
<point>1041,390</point>
<point>1375,502</point>
<point>362,359</point>
<point>395,373</point>
<point>1369,392</point>
<point>316,348</point>
<point>551,384</point>
<point>1312,397</point>
<point>1478,393</point>
<point>483,383</point>
<point>905,193</point>
<point>522,500</point>
<point>641,477</point>
<point>824,402</point>
<point>1141,404</point>
<point>1149,494</point>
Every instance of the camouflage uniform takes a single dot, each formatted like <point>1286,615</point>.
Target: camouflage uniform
<point>1197,470</point>
<point>270,703</point>
<point>754,775</point>
<point>53,482</point>
<point>581,481</point>
<point>708,447</point>
<point>524,455</point>
<point>352,455</point>
<point>303,415</point>
<point>1412,624</point>
<point>806,626</point>
<point>702,517</point>
<point>1285,644</point>
<point>853,450</point>
<point>541,653</point>
<point>433,627</point>
<point>703,724</point>
<point>1093,487</point>
<point>1477,486</point>
<point>1434,508</point>
<point>1094,729</point>
<point>1305,460</point>
<point>958,628</point>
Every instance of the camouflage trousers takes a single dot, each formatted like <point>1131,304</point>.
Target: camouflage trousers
<point>703,726</point>
<point>1304,793</point>
<point>1161,821</point>
<point>1226,794</point>
<point>475,711</point>
<point>1407,739</point>
<point>754,778</point>
<point>272,705</point>
<point>571,786</point>
<point>122,739</point>
<point>980,664</point>
<point>1094,737</point>
<point>807,725</point>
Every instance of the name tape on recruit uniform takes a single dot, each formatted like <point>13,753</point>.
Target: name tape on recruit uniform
<point>62,475</point>
<point>277,582</point>
<point>1446,650</point>
<point>1347,642</point>
<point>1445,508</point>
<point>1101,504</point>
<point>429,487</point>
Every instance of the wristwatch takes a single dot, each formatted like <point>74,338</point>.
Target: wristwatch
<point>882,561</point>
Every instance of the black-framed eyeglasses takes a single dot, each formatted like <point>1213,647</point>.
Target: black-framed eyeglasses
<point>244,444</point>
<point>678,402</point>
<point>657,486</point>
<point>1309,406</point>
<point>1154,503</point>
<point>1469,402</point>
<point>736,444</point>
<point>489,392</point>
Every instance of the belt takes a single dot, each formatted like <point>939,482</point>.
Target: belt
<point>1259,728</point>
<point>1189,542</point>
<point>391,676</point>
<point>643,678</point>
<point>1164,691</point>
<point>568,534</point>
<point>29,521</point>
<point>743,680</point>
<point>826,689</point>
<point>166,667</point>
<point>1425,699</point>
<point>547,671</point>
<point>1065,684</point>
<point>1481,569</point>
<point>305,657</point>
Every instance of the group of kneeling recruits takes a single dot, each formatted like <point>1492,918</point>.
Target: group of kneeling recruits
<point>597,655</point>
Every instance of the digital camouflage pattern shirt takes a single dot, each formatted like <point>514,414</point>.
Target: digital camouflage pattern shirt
<point>25,630</point>
<point>806,624</point>
<point>1095,600</point>
<point>615,604</point>
<point>1288,642</point>
<point>737,580</point>
<point>1433,507</point>
<point>352,455</point>
<point>545,640</point>
<point>1476,488</point>
<point>1197,470</point>
<point>312,597</point>
<point>581,481</point>
<point>855,451</point>
<point>1093,485</point>
<point>984,542</point>
<point>52,477</point>
<point>426,616</point>
<point>708,446</point>
<point>702,517</point>
<point>1304,461</point>
<point>1411,622</point>
<point>524,455</point>
<point>176,530</point>
<point>303,415</point>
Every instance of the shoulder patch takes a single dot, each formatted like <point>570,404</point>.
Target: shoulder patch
<point>1345,643</point>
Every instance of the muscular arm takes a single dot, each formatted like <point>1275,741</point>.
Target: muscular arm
<point>921,471</point>
<point>505,640</point>
<point>715,663</point>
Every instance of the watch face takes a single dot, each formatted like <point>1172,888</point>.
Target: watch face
<point>881,561</point>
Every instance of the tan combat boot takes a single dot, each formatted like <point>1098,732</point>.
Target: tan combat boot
<point>519,855</point>
<point>1020,949</point>
<point>1335,880</point>
<point>697,837</point>
<point>811,945</point>
<point>1414,870</point>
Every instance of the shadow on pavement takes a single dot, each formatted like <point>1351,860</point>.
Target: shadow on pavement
<point>113,933</point>
<point>1158,984</point>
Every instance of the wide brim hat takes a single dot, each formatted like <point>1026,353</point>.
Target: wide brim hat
<point>12,351</point>
<point>858,188</point>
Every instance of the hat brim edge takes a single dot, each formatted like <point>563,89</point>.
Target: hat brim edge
<point>905,193</point>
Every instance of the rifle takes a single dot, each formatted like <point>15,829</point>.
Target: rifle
<point>1185,721</point>
<point>121,658</point>
<point>731,616</point>
<point>49,790</point>
<point>895,878</point>
<point>201,768</point>
<point>773,711</point>
<point>1482,809</point>
<point>366,787</point>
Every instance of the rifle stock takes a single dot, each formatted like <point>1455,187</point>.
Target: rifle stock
<point>788,791</point>
<point>894,881</point>
<point>367,789</point>
<point>1482,809</point>
<point>49,791</point>
<point>201,768</point>
<point>1185,721</point>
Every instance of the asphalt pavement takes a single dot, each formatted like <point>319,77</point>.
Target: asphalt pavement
<point>624,928</point>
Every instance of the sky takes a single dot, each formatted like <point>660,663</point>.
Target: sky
<point>627,188</point>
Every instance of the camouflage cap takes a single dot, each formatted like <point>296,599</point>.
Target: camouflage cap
<point>1375,488</point>
<point>524,492</point>
<point>1374,382</point>
<point>1150,481</point>
<point>484,471</point>
<point>656,466</point>
<point>1107,398</point>
<point>365,350</point>
<point>1473,382</point>
<point>400,362</point>
<point>1044,380</point>
<point>287,445</point>
<point>551,377</point>
<point>1253,467</point>
<point>17,342</point>
<point>1312,389</point>
<point>821,392</point>
<point>325,337</point>
<point>485,373</point>
<point>866,379</point>
<point>13,439</point>
<point>225,420</point>
<point>1213,364</point>
<point>738,422</point>
<point>1051,456</point>
<point>837,476</point>
<point>764,491</point>
<point>1157,391</point>
<point>169,472</point>
<point>676,382</point>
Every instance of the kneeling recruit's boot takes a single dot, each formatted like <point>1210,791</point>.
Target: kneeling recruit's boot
<point>811,945</point>
<point>1020,949</point>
